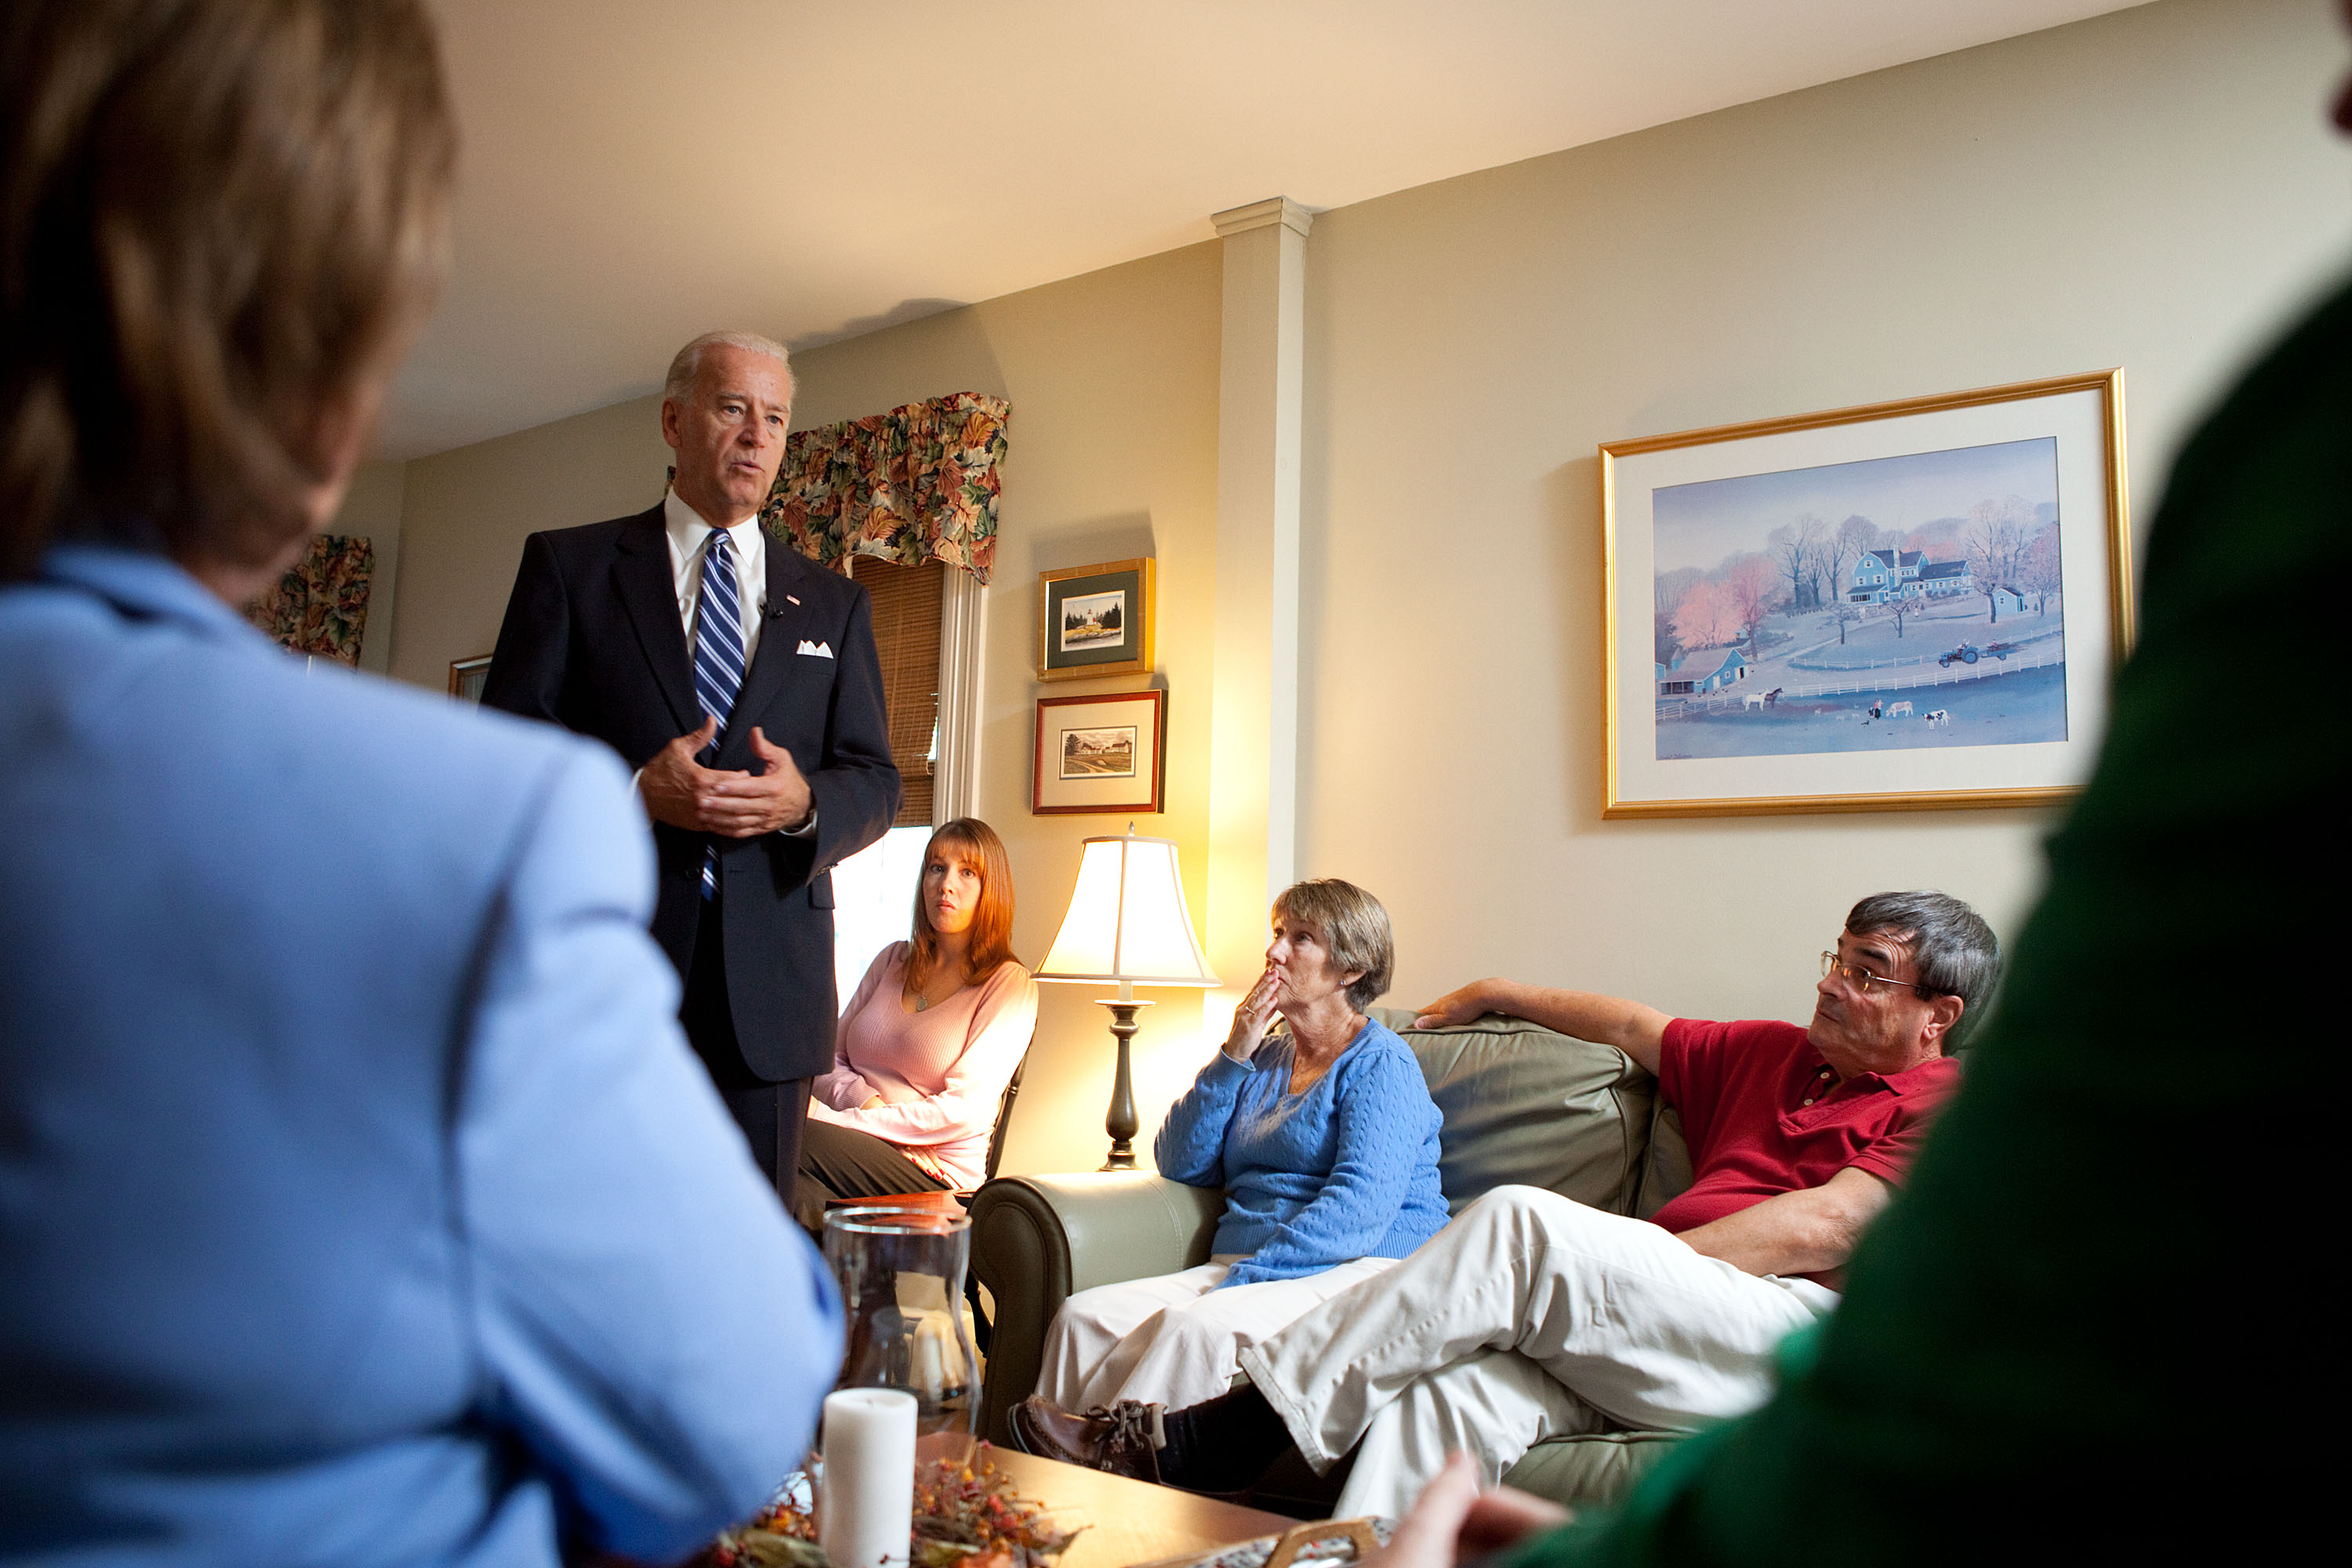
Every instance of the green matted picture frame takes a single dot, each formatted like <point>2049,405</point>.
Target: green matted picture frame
<point>1095,620</point>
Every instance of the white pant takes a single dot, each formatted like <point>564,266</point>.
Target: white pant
<point>1174,1339</point>
<point>1527,1317</point>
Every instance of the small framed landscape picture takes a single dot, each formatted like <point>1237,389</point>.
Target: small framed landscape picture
<point>1099,753</point>
<point>1095,620</point>
<point>468,676</point>
<point>1898,606</point>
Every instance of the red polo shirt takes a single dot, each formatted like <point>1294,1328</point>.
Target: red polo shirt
<point>1760,1122</point>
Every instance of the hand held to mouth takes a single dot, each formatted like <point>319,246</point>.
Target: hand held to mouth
<point>1256,1012</point>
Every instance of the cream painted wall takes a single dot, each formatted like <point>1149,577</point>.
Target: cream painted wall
<point>2151,189</point>
<point>467,513</point>
<point>372,510</point>
<point>1111,453</point>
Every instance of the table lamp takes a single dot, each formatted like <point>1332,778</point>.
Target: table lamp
<point>1127,923</point>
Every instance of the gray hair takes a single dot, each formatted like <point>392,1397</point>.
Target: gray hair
<point>688,362</point>
<point>1953,951</point>
<point>1355,931</point>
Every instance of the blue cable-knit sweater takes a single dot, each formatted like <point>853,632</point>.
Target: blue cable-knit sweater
<point>1346,1170</point>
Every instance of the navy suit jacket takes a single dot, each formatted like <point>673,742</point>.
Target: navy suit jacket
<point>593,641</point>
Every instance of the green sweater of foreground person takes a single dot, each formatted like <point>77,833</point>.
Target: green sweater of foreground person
<point>2092,1317</point>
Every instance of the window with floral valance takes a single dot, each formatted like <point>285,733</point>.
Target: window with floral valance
<point>915,485</point>
<point>320,606</point>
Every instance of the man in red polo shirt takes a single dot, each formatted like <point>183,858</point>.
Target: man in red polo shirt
<point>1531,1315</point>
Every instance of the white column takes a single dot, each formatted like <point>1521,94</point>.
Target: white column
<point>956,787</point>
<point>1253,727</point>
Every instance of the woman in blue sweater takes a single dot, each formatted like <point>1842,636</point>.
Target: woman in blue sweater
<point>1323,1136</point>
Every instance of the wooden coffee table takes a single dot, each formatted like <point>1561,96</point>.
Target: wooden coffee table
<point>1126,1523</point>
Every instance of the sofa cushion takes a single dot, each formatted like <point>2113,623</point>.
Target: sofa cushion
<point>1667,1167</point>
<point>1524,1105</point>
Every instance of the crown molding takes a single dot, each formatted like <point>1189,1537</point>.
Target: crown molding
<point>1264,214</point>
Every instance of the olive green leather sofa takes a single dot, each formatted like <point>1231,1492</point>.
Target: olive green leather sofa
<point>1521,1105</point>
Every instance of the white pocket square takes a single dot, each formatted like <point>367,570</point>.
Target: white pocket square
<point>820,650</point>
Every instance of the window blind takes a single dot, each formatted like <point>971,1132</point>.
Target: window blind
<point>906,605</point>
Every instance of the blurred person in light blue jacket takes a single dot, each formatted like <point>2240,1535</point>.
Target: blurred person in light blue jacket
<point>360,1201</point>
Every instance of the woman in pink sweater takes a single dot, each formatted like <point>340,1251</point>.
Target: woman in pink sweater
<point>924,1049</point>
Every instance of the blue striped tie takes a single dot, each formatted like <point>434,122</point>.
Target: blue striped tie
<point>718,658</point>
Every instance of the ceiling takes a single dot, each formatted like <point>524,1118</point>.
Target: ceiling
<point>637,170</point>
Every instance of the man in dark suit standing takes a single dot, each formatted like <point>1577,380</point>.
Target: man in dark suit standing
<point>741,682</point>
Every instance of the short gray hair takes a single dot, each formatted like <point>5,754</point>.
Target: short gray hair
<point>1953,951</point>
<point>688,362</point>
<point>1355,931</point>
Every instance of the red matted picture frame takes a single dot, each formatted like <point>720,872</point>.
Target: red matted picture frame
<point>1104,755</point>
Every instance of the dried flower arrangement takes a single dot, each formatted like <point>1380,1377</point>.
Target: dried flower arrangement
<point>967,1515</point>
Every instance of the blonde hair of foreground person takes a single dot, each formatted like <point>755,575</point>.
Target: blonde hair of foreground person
<point>223,222</point>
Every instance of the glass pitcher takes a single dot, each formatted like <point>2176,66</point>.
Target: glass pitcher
<point>901,1274</point>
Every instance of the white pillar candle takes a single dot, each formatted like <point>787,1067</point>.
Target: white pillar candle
<point>930,1371</point>
<point>868,1506</point>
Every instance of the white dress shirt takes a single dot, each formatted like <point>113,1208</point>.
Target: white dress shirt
<point>689,541</point>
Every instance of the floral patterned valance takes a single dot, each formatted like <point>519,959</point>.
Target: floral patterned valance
<point>320,606</point>
<point>917,484</point>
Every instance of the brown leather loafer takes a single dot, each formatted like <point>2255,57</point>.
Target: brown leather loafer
<point>1117,1440</point>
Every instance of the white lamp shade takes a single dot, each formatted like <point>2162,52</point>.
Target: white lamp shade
<point>1127,921</point>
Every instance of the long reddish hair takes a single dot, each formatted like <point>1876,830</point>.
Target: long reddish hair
<point>991,940</point>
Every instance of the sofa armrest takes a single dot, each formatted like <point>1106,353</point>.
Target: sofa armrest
<point>1036,1239</point>
<point>1590,1470</point>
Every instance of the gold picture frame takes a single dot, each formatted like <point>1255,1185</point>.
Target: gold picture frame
<point>1927,520</point>
<point>466,676</point>
<point>1095,621</point>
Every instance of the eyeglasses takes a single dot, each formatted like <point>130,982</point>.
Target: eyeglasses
<point>1862,979</point>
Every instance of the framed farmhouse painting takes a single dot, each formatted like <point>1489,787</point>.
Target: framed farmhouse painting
<point>1099,753</point>
<point>1095,620</point>
<point>1907,606</point>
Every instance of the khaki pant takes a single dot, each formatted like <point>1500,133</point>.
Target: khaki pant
<point>1529,1316</point>
<point>1174,1339</point>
